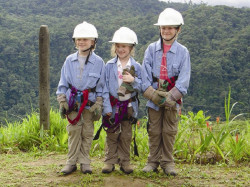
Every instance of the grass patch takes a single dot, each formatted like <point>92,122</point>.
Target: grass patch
<point>27,169</point>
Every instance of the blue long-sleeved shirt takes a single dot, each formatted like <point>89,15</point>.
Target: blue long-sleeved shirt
<point>92,76</point>
<point>178,64</point>
<point>111,79</point>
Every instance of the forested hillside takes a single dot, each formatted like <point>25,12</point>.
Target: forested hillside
<point>217,37</point>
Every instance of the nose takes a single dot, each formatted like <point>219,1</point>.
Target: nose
<point>119,49</point>
<point>166,30</point>
<point>82,40</point>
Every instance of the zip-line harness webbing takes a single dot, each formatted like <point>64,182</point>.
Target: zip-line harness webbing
<point>77,102</point>
<point>169,84</point>
<point>79,97</point>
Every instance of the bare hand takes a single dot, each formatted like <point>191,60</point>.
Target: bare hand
<point>128,78</point>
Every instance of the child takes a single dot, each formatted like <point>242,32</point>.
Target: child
<point>165,79</point>
<point>121,111</point>
<point>79,94</point>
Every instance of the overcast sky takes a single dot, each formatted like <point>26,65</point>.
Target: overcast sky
<point>233,3</point>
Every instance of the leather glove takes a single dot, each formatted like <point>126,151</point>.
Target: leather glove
<point>152,94</point>
<point>125,88</point>
<point>61,98</point>
<point>176,94</point>
<point>97,108</point>
<point>64,107</point>
<point>168,100</point>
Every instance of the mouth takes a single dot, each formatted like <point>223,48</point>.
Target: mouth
<point>166,34</point>
<point>120,52</point>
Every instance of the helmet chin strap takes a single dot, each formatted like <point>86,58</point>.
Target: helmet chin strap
<point>172,37</point>
<point>87,49</point>
<point>169,39</point>
<point>91,47</point>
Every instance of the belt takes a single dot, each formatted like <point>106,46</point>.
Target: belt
<point>113,100</point>
<point>155,79</point>
<point>89,90</point>
<point>170,81</point>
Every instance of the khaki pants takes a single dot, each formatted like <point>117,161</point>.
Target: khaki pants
<point>118,144</point>
<point>163,126</point>
<point>80,138</point>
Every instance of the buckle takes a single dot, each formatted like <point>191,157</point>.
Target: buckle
<point>88,103</point>
<point>111,121</point>
<point>120,129</point>
<point>133,120</point>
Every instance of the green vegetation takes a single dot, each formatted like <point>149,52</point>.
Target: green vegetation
<point>211,131</point>
<point>204,150</point>
<point>205,155</point>
<point>197,140</point>
<point>217,37</point>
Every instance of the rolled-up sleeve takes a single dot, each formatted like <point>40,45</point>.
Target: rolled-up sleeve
<point>146,73</point>
<point>182,82</point>
<point>101,82</point>
<point>105,94</point>
<point>137,84</point>
<point>63,84</point>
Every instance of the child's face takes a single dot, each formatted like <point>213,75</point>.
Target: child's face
<point>83,43</point>
<point>168,32</point>
<point>123,50</point>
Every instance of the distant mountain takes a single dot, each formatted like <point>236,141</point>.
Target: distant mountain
<point>217,38</point>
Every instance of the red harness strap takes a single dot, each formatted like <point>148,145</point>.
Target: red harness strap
<point>171,84</point>
<point>85,100</point>
<point>113,100</point>
<point>112,124</point>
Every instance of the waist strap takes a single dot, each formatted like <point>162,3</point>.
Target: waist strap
<point>89,90</point>
<point>113,100</point>
<point>170,82</point>
<point>72,101</point>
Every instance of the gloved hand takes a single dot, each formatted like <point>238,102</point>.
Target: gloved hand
<point>168,100</point>
<point>152,94</point>
<point>97,109</point>
<point>126,87</point>
<point>64,107</point>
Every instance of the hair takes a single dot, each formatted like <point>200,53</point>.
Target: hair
<point>113,53</point>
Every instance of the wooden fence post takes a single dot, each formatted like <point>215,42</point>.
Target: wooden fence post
<point>44,83</point>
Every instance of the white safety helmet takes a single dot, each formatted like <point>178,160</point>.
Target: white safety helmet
<point>124,35</point>
<point>170,17</point>
<point>85,30</point>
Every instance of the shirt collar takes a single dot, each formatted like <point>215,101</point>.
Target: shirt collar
<point>173,48</point>
<point>75,57</point>
<point>128,65</point>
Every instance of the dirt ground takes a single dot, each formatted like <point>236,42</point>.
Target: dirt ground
<point>43,170</point>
